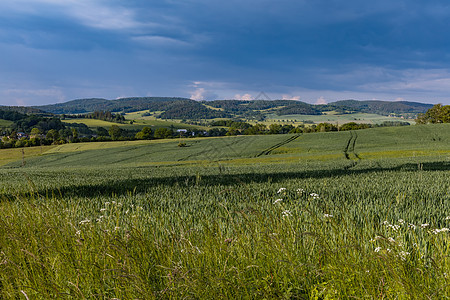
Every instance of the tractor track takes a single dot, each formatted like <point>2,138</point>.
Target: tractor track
<point>269,150</point>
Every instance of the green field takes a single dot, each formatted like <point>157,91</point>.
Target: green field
<point>138,124</point>
<point>336,215</point>
<point>5,123</point>
<point>338,118</point>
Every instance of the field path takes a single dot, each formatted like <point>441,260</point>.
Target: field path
<point>270,149</point>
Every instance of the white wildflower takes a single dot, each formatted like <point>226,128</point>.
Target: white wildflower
<point>401,221</point>
<point>425,225</point>
<point>116,228</point>
<point>78,232</point>
<point>107,203</point>
<point>394,227</point>
<point>314,195</point>
<point>281,190</point>
<point>286,213</point>
<point>327,216</point>
<point>436,231</point>
<point>447,218</point>
<point>385,223</point>
<point>85,221</point>
<point>300,190</point>
<point>376,238</point>
<point>412,226</point>
<point>276,201</point>
<point>391,240</point>
<point>377,249</point>
<point>103,209</point>
<point>403,255</point>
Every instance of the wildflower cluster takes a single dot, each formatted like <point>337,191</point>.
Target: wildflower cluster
<point>110,216</point>
<point>300,191</point>
<point>398,230</point>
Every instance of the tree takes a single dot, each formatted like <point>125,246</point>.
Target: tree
<point>436,114</point>
<point>115,132</point>
<point>53,135</point>
<point>144,134</point>
<point>35,132</point>
<point>256,129</point>
<point>75,133</point>
<point>163,133</point>
<point>325,127</point>
<point>274,128</point>
<point>102,131</point>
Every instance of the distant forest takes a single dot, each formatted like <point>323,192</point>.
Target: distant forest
<point>182,108</point>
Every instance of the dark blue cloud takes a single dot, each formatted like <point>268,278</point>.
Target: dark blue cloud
<point>385,49</point>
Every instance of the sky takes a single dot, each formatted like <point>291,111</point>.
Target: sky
<point>316,51</point>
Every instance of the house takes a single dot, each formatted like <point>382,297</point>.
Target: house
<point>21,135</point>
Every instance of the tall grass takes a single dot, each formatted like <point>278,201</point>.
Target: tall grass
<point>200,233</point>
<point>309,226</point>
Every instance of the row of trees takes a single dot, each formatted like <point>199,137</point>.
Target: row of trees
<point>99,115</point>
<point>36,138</point>
<point>240,127</point>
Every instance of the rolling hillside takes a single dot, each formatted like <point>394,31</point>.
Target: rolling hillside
<point>363,145</point>
<point>182,108</point>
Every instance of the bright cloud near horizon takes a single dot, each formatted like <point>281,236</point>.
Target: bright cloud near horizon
<point>314,51</point>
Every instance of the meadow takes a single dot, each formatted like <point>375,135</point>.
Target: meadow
<point>138,123</point>
<point>335,215</point>
<point>5,123</point>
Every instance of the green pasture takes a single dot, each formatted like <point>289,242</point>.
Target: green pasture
<point>138,124</point>
<point>14,155</point>
<point>338,118</point>
<point>336,215</point>
<point>5,123</point>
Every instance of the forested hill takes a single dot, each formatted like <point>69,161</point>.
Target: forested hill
<point>183,108</point>
<point>24,110</point>
<point>382,107</point>
<point>170,108</point>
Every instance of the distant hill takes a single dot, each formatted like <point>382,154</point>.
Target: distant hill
<point>183,108</point>
<point>24,110</point>
<point>170,108</point>
<point>381,107</point>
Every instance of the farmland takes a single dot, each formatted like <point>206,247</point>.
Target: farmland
<point>334,215</point>
<point>138,123</point>
<point>335,118</point>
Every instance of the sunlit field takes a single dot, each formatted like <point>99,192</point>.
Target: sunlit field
<point>337,215</point>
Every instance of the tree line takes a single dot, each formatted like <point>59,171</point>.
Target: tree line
<point>98,115</point>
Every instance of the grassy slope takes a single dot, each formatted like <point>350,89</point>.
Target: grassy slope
<point>14,155</point>
<point>5,123</point>
<point>137,125</point>
<point>370,143</point>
